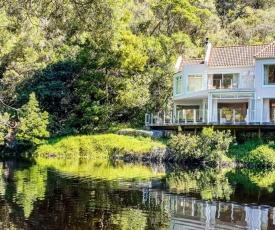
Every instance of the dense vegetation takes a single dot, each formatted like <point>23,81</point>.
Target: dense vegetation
<point>95,146</point>
<point>255,152</point>
<point>208,146</point>
<point>93,64</point>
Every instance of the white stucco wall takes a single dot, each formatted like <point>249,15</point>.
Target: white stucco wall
<point>186,70</point>
<point>262,91</point>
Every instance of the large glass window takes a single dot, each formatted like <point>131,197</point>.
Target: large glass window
<point>269,74</point>
<point>194,83</point>
<point>178,85</point>
<point>223,81</point>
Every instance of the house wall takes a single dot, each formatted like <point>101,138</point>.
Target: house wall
<point>263,92</point>
<point>242,71</point>
<point>202,69</point>
<point>186,70</point>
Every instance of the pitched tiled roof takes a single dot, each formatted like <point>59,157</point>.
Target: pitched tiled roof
<point>190,62</point>
<point>267,52</point>
<point>234,55</point>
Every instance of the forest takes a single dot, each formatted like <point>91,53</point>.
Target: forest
<point>84,66</point>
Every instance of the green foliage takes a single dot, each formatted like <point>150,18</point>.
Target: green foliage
<point>98,146</point>
<point>138,220</point>
<point>30,187</point>
<point>216,143</point>
<point>254,152</point>
<point>96,63</point>
<point>186,147</point>
<point>33,123</point>
<point>99,168</point>
<point>53,89</point>
<point>212,183</point>
<point>210,145</point>
<point>4,127</point>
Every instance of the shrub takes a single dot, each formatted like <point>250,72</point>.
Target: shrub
<point>254,152</point>
<point>215,143</point>
<point>210,145</point>
<point>185,147</point>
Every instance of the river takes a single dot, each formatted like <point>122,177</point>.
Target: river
<point>97,194</point>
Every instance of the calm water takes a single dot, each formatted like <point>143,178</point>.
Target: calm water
<point>89,194</point>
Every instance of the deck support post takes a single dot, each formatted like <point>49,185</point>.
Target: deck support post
<point>195,131</point>
<point>259,133</point>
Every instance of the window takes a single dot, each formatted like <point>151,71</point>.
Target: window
<point>223,81</point>
<point>269,74</point>
<point>194,83</point>
<point>178,85</point>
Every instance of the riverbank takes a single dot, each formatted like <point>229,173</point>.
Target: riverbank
<point>104,146</point>
<point>255,153</point>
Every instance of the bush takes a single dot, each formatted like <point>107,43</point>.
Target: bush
<point>210,145</point>
<point>185,147</point>
<point>254,152</point>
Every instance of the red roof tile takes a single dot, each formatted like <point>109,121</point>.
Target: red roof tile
<point>190,62</point>
<point>234,55</point>
<point>267,52</point>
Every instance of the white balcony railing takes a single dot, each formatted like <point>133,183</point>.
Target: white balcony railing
<point>219,84</point>
<point>245,82</point>
<point>194,116</point>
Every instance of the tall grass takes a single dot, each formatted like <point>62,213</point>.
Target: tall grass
<point>98,146</point>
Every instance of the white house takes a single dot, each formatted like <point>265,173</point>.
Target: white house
<point>232,84</point>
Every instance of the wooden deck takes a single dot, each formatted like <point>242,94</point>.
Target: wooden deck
<point>234,127</point>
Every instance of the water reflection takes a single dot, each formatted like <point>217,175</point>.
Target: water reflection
<point>211,183</point>
<point>87,194</point>
<point>190,212</point>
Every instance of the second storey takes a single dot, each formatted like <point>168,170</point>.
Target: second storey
<point>227,69</point>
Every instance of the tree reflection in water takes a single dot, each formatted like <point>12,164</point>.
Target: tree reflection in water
<point>87,194</point>
<point>211,183</point>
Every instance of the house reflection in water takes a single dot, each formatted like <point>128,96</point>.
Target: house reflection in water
<point>189,213</point>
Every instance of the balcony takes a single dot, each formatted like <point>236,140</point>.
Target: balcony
<point>229,81</point>
<point>220,84</point>
<point>198,116</point>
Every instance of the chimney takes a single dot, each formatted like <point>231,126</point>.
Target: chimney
<point>177,66</point>
<point>206,41</point>
<point>207,50</point>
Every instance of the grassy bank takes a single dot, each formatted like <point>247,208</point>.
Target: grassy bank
<point>209,146</point>
<point>254,152</point>
<point>102,145</point>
